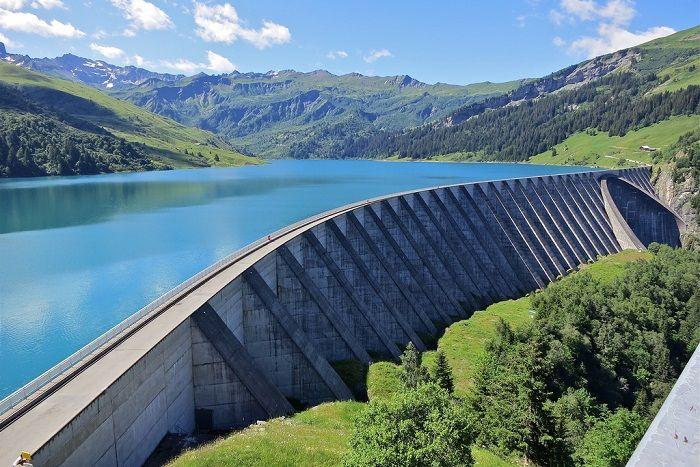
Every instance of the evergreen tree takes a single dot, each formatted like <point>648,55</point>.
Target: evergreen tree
<point>413,373</point>
<point>442,374</point>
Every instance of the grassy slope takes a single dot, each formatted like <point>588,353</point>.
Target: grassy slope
<point>605,151</point>
<point>318,436</point>
<point>680,76</point>
<point>166,139</point>
<point>683,71</point>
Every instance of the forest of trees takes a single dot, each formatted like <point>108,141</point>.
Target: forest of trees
<point>34,145</point>
<point>35,141</point>
<point>617,103</point>
<point>579,385</point>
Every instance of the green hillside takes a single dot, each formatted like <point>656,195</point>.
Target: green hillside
<point>82,112</point>
<point>598,149</point>
<point>674,59</point>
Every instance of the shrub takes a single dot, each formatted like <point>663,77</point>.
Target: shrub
<point>417,427</point>
<point>612,440</point>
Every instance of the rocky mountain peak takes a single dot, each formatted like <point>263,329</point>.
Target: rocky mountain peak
<point>3,50</point>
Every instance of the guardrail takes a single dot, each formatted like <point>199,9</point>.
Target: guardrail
<point>148,312</point>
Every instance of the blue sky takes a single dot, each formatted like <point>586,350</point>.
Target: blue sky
<point>448,41</point>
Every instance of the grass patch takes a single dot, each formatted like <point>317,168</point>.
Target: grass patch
<point>602,150</point>
<point>317,437</point>
<point>484,458</point>
<point>383,380</point>
<point>609,267</point>
<point>465,341</point>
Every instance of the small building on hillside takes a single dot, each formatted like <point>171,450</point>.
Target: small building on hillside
<point>647,148</point>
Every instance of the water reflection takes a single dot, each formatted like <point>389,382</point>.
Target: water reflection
<point>63,205</point>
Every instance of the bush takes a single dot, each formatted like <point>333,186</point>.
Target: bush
<point>612,440</point>
<point>418,427</point>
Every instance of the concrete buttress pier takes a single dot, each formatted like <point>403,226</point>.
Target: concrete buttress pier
<point>261,331</point>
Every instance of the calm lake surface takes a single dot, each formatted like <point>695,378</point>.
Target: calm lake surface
<point>80,254</point>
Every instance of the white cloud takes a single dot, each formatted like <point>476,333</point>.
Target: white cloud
<point>612,37</point>
<point>613,17</point>
<point>376,55</point>
<point>220,23</point>
<point>618,11</point>
<point>582,9</point>
<point>107,51</point>
<point>7,41</point>
<point>614,11</point>
<point>128,32</point>
<point>48,4</point>
<point>219,64</point>
<point>143,15</point>
<point>333,54</point>
<point>556,17</point>
<point>215,63</point>
<point>99,34</point>
<point>32,24</point>
<point>11,4</point>
<point>140,61</point>
<point>117,54</point>
<point>182,65</point>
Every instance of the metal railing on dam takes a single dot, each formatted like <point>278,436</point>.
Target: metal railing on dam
<point>262,328</point>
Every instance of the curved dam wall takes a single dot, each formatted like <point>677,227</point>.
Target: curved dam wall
<point>265,331</point>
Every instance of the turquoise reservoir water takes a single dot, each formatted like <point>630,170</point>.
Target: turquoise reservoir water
<point>80,254</point>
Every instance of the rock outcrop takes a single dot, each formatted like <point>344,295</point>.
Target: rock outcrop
<point>678,196</point>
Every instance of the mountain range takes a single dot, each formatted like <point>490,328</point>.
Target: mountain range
<point>272,114</point>
<point>318,114</point>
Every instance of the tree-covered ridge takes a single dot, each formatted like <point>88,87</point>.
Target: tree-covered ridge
<point>55,127</point>
<point>541,113</point>
<point>595,365</point>
<point>616,104</point>
<point>35,141</point>
<point>37,145</point>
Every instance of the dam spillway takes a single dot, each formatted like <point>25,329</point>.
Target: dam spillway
<point>263,330</point>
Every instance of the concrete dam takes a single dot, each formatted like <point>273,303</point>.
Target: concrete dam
<point>265,329</point>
